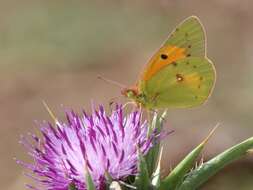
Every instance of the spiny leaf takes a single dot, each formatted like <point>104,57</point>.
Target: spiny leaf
<point>151,157</point>
<point>200,175</point>
<point>142,180</point>
<point>108,177</point>
<point>177,174</point>
<point>72,186</point>
<point>88,180</point>
<point>156,176</point>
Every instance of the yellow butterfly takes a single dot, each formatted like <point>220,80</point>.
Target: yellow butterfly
<point>179,75</point>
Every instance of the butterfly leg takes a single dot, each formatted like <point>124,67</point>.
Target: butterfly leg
<point>133,103</point>
<point>154,99</point>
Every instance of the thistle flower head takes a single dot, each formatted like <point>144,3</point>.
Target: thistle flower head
<point>96,143</point>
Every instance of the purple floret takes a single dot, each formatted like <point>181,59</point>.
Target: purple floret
<point>98,143</point>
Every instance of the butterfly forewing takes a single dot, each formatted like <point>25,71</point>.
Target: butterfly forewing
<point>190,35</point>
<point>187,40</point>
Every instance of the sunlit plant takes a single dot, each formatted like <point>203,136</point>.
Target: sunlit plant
<point>116,151</point>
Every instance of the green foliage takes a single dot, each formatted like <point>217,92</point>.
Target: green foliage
<point>151,157</point>
<point>200,175</point>
<point>72,187</point>
<point>156,176</point>
<point>177,174</point>
<point>142,180</point>
<point>88,180</point>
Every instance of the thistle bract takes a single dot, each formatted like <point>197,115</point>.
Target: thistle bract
<point>97,143</point>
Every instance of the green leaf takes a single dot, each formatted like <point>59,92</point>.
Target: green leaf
<point>152,155</point>
<point>156,176</point>
<point>176,176</point>
<point>88,180</point>
<point>200,175</point>
<point>108,177</point>
<point>142,180</point>
<point>72,186</point>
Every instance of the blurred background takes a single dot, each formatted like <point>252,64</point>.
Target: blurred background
<point>54,50</point>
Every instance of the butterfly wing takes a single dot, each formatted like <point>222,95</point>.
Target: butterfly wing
<point>187,40</point>
<point>185,83</point>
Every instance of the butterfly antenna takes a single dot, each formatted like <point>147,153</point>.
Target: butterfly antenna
<point>111,82</point>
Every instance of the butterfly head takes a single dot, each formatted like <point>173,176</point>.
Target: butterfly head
<point>135,95</point>
<point>131,93</point>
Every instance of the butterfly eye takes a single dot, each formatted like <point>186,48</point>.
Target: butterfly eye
<point>164,56</point>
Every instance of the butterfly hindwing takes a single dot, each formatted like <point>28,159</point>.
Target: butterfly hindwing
<point>185,83</point>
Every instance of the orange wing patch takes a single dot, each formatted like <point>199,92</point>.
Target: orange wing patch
<point>193,80</point>
<point>166,55</point>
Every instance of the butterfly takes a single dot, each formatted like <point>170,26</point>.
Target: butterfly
<point>179,74</point>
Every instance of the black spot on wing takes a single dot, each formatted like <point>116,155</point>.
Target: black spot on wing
<point>164,56</point>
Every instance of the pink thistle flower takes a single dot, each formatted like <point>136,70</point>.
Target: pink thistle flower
<point>98,143</point>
